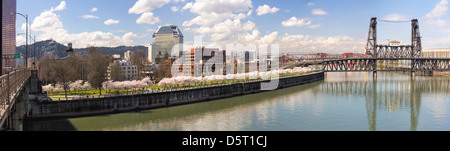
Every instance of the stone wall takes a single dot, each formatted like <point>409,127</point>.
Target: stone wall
<point>123,103</point>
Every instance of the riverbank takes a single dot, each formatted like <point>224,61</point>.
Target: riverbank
<point>134,102</point>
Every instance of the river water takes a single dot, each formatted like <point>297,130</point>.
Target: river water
<point>343,101</point>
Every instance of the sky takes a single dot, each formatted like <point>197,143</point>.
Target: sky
<point>328,26</point>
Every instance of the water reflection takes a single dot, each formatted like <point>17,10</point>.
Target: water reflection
<point>343,101</point>
<point>389,91</point>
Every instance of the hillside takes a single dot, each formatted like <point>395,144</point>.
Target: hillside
<point>61,49</point>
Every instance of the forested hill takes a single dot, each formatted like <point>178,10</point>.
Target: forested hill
<point>61,52</point>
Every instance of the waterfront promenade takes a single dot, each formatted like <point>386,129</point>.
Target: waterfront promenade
<point>163,98</point>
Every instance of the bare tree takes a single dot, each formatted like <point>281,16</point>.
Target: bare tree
<point>139,59</point>
<point>117,72</point>
<point>45,71</point>
<point>98,64</point>
<point>161,70</point>
<point>62,72</point>
<point>77,63</point>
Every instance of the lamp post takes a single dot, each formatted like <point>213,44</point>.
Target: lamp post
<point>34,48</point>
<point>26,41</point>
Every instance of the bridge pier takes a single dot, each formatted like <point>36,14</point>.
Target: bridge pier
<point>413,74</point>
<point>374,75</point>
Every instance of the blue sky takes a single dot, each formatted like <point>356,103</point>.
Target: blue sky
<point>297,25</point>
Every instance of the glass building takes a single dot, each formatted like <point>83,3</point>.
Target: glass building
<point>8,33</point>
<point>164,38</point>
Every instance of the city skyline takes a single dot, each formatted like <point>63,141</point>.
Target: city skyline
<point>319,26</point>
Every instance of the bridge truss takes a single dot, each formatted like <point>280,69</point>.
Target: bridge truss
<point>387,51</point>
<point>387,64</point>
<point>388,57</point>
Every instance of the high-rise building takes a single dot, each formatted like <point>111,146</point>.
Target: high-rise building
<point>164,38</point>
<point>8,33</point>
<point>149,55</point>
<point>199,64</point>
<point>127,55</point>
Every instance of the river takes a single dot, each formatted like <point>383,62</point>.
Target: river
<point>351,101</point>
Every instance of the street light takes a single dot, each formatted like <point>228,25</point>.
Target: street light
<point>26,41</point>
<point>34,47</point>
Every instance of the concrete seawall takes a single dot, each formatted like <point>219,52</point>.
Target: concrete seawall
<point>115,104</point>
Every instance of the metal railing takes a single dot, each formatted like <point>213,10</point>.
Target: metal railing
<point>9,85</point>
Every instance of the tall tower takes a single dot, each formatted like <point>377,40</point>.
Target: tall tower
<point>149,53</point>
<point>164,38</point>
<point>8,34</point>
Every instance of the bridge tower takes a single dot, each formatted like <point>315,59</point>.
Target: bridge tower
<point>415,39</point>
<point>372,38</point>
<point>386,51</point>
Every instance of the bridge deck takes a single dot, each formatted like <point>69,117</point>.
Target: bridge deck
<point>387,64</point>
<point>10,85</point>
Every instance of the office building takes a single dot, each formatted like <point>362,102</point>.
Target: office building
<point>127,55</point>
<point>164,38</point>
<point>8,34</point>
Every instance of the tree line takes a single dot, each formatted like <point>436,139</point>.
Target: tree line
<point>92,68</point>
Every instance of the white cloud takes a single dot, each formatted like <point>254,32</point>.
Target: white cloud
<point>318,11</point>
<point>437,22</point>
<point>89,17</point>
<point>20,40</point>
<point>438,11</point>
<point>314,26</point>
<point>111,22</point>
<point>94,9</point>
<point>142,6</point>
<point>223,22</point>
<point>265,9</point>
<point>269,38</point>
<point>250,12</point>
<point>222,6</point>
<point>24,27</point>
<point>294,21</point>
<point>145,7</point>
<point>310,4</point>
<point>147,18</point>
<point>46,20</point>
<point>187,6</point>
<point>435,30</point>
<point>50,27</point>
<point>60,7</point>
<point>227,30</point>
<point>208,19</point>
<point>174,9</point>
<point>129,37</point>
<point>307,43</point>
<point>118,31</point>
<point>211,13</point>
<point>240,16</point>
<point>396,17</point>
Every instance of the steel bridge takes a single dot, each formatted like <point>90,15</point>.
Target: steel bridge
<point>387,64</point>
<point>12,86</point>
<point>389,57</point>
